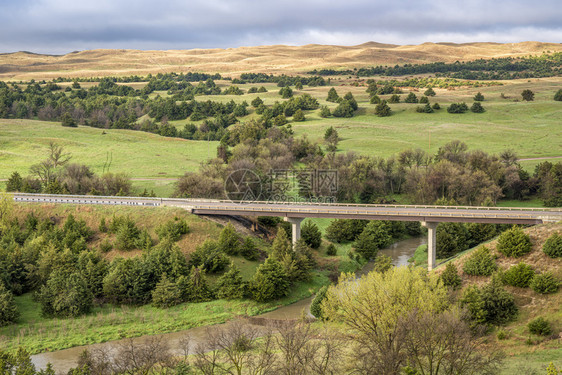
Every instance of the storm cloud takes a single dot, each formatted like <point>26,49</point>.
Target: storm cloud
<point>61,26</point>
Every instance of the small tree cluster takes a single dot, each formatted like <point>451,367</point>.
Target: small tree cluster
<point>457,108</point>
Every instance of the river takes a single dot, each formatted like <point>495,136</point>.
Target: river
<point>63,360</point>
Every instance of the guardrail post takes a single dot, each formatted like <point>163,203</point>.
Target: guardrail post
<point>431,244</point>
<point>296,224</point>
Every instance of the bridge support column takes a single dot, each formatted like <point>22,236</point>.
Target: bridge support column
<point>296,224</point>
<point>431,244</point>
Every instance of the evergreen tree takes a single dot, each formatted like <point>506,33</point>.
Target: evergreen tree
<point>8,310</point>
<point>197,289</point>
<point>331,250</point>
<point>257,102</point>
<point>298,116</point>
<point>286,92</point>
<point>298,85</point>
<point>411,98</point>
<point>450,277</point>
<point>65,295</point>
<point>528,95</point>
<point>249,250</point>
<point>333,96</point>
<point>382,109</point>
<point>477,107</point>
<point>68,121</point>
<point>269,282</point>
<point>436,106</point>
<point>558,96</point>
<point>394,99</point>
<point>375,99</point>
<point>166,293</point>
<point>344,109</point>
<point>479,97</point>
<point>311,234</point>
<point>231,285</point>
<point>429,92</point>
<point>229,240</point>
<point>374,237</point>
<point>325,111</point>
<point>281,245</point>
<point>316,305</point>
<point>15,182</point>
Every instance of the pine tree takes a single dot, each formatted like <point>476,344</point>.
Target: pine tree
<point>333,96</point>
<point>558,96</point>
<point>375,99</point>
<point>15,182</point>
<point>269,282</point>
<point>166,293</point>
<point>8,309</point>
<point>411,98</point>
<point>249,250</point>
<point>479,97</point>
<point>197,289</point>
<point>450,277</point>
<point>281,245</point>
<point>429,92</point>
<point>298,116</point>
<point>231,285</point>
<point>310,232</point>
<point>325,111</point>
<point>477,107</point>
<point>382,109</point>
<point>229,240</point>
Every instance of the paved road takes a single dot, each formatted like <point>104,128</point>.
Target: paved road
<point>300,210</point>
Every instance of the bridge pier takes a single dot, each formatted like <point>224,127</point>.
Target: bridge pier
<point>296,226</point>
<point>431,244</point>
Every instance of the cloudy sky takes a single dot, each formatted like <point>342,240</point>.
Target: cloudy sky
<point>61,26</point>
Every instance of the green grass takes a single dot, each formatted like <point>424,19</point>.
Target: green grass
<point>532,362</point>
<point>37,334</point>
<point>139,154</point>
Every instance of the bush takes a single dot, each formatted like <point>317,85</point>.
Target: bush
<point>298,116</point>
<point>127,233</point>
<point>491,304</point>
<point>195,288</point>
<point>382,263</point>
<point>325,111</point>
<point>166,293</point>
<point>393,99</point>
<point>411,98</point>
<point>331,250</point>
<point>514,243</point>
<point>269,282</point>
<point>528,95</point>
<point>209,257</point>
<point>230,285</point>
<point>545,283</point>
<point>375,99</point>
<point>229,240</point>
<point>344,109</point>
<point>457,108</point>
<point>539,326</point>
<point>436,106</point>
<point>249,250</point>
<point>429,92</point>
<point>519,275</point>
<point>311,234</point>
<point>341,230</point>
<point>558,96</point>
<point>450,277</point>
<point>8,310</point>
<point>374,236</point>
<point>553,246</point>
<point>382,109</point>
<point>173,229</point>
<point>480,263</point>
<point>424,99</point>
<point>65,295</point>
<point>316,305</point>
<point>479,97</point>
<point>477,108</point>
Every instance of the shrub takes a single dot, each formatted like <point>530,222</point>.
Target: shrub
<point>249,250</point>
<point>528,95</point>
<point>209,257</point>
<point>65,295</point>
<point>341,230</point>
<point>479,97</point>
<point>519,275</point>
<point>382,109</point>
<point>325,111</point>
<point>195,288</point>
<point>311,234</point>
<point>298,116</point>
<point>344,109</point>
<point>316,305</point>
<point>382,263</point>
<point>166,293</point>
<point>514,243</point>
<point>502,334</point>
<point>553,246</point>
<point>374,236</point>
<point>545,283</point>
<point>332,96</point>
<point>230,285</point>
<point>477,108</point>
<point>229,240</point>
<point>491,304</point>
<point>429,92</point>
<point>269,282</point>
<point>539,326</point>
<point>331,250</point>
<point>173,229</point>
<point>480,263</point>
<point>558,95</point>
<point>393,99</point>
<point>436,106</point>
<point>450,277</point>
<point>375,99</point>
<point>8,310</point>
<point>457,108</point>
<point>127,233</point>
<point>424,99</point>
<point>411,98</point>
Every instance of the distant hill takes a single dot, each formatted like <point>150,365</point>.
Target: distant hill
<point>268,59</point>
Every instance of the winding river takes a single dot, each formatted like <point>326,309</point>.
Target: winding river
<point>63,360</point>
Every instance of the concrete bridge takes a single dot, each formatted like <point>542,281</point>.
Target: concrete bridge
<point>295,213</point>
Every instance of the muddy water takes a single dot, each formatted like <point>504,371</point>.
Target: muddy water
<point>63,360</point>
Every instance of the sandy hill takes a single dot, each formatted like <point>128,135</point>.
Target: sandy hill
<point>268,59</point>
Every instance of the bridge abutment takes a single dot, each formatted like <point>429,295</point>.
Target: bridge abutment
<point>296,226</point>
<point>431,244</point>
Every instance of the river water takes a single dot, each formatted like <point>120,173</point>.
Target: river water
<point>63,360</point>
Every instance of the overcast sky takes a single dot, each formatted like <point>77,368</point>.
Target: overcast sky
<point>61,26</point>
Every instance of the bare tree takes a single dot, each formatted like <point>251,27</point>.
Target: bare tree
<point>148,357</point>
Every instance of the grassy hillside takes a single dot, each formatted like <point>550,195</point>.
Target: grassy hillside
<point>526,352</point>
<point>277,58</point>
